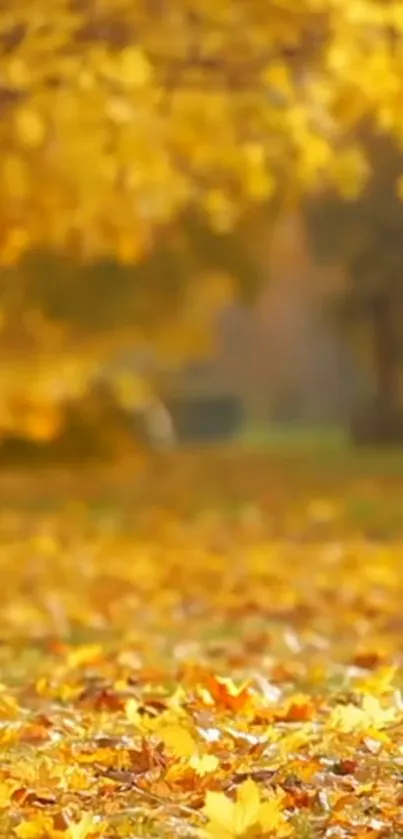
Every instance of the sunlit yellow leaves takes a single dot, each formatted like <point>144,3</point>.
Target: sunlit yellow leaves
<point>315,158</point>
<point>350,172</point>
<point>15,177</point>
<point>44,827</point>
<point>9,708</point>
<point>239,718</point>
<point>380,682</point>
<point>34,829</point>
<point>296,740</point>
<point>220,210</point>
<point>129,247</point>
<point>81,656</point>
<point>15,242</point>
<point>30,127</point>
<point>222,124</point>
<point>371,714</point>
<point>204,765</point>
<point>129,67</point>
<point>248,815</point>
<point>277,77</point>
<point>83,828</point>
<point>6,791</point>
<point>178,741</point>
<point>132,712</point>
<point>131,390</point>
<point>257,176</point>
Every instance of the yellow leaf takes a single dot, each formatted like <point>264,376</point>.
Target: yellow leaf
<point>350,172</point>
<point>83,655</point>
<point>220,210</point>
<point>204,765</point>
<point>131,68</point>
<point>34,828</point>
<point>271,816</point>
<point>277,77</point>
<point>247,815</point>
<point>5,795</point>
<point>30,127</point>
<point>348,718</point>
<point>81,829</point>
<point>132,711</point>
<point>247,806</point>
<point>380,682</point>
<point>15,242</point>
<point>135,66</point>
<point>178,741</point>
<point>14,176</point>
<point>220,811</point>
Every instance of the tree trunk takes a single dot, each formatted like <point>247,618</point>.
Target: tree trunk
<point>386,369</point>
<point>382,421</point>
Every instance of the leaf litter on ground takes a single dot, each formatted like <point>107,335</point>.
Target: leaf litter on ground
<point>233,670</point>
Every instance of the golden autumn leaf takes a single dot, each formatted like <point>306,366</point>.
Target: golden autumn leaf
<point>178,741</point>
<point>371,715</point>
<point>35,828</point>
<point>83,655</point>
<point>6,791</point>
<point>30,127</point>
<point>203,765</point>
<point>134,68</point>
<point>246,816</point>
<point>81,829</point>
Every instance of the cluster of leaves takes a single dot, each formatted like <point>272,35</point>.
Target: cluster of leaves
<point>231,670</point>
<point>116,116</point>
<point>62,323</point>
<point>122,123</point>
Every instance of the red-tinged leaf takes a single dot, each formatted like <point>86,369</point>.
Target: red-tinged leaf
<point>32,733</point>
<point>369,659</point>
<point>100,699</point>
<point>29,797</point>
<point>345,767</point>
<point>296,709</point>
<point>299,798</point>
<point>226,694</point>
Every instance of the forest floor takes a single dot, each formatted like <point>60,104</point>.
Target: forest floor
<point>209,648</point>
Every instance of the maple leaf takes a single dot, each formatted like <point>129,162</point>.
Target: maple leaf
<point>371,715</point>
<point>224,692</point>
<point>247,816</point>
<point>204,765</point>
<point>178,740</point>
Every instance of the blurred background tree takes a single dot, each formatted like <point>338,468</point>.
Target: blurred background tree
<point>68,327</point>
<point>135,138</point>
<point>364,235</point>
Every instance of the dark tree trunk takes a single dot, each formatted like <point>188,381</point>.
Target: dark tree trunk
<point>385,357</point>
<point>382,420</point>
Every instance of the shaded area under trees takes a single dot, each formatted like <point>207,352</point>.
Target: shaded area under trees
<point>364,236</point>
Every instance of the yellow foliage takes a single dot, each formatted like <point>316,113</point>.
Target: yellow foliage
<point>104,724</point>
<point>371,715</point>
<point>248,815</point>
<point>178,740</point>
<point>114,120</point>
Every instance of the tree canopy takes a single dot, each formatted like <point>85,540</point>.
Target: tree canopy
<point>135,140</point>
<point>116,115</point>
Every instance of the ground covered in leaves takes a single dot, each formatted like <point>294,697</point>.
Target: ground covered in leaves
<point>215,650</point>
